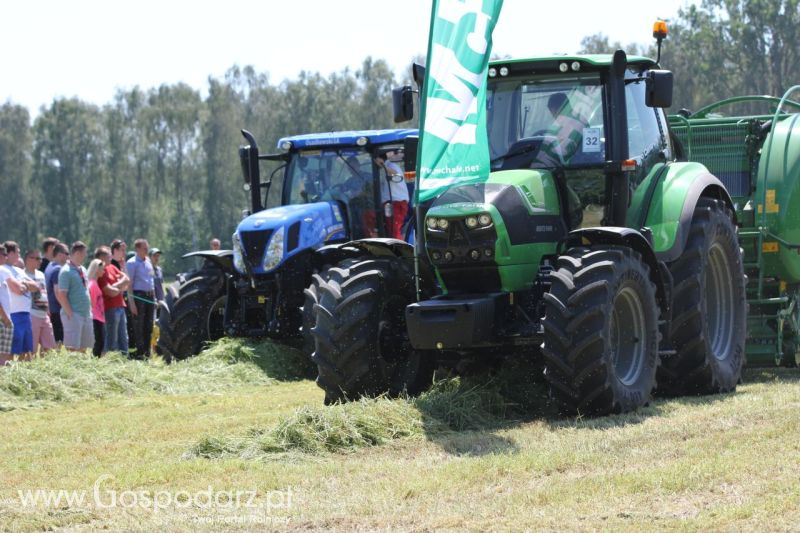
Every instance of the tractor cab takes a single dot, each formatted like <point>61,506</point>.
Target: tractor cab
<point>319,189</point>
<point>557,116</point>
<point>327,189</point>
<point>344,173</point>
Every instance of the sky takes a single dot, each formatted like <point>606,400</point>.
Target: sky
<point>91,48</point>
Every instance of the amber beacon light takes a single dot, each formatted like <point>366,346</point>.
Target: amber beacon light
<point>660,33</point>
<point>660,29</point>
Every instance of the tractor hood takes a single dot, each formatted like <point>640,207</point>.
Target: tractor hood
<point>266,239</point>
<point>490,236</point>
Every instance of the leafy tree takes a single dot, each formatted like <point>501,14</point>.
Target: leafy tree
<point>599,44</point>
<point>68,164</point>
<point>223,192</point>
<point>15,165</point>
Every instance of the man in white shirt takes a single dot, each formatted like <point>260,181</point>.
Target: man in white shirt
<point>394,195</point>
<point>20,289</point>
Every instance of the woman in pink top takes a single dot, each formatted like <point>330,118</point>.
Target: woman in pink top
<point>96,269</point>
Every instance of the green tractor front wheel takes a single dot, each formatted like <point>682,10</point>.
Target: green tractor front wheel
<point>361,340</point>
<point>601,331</point>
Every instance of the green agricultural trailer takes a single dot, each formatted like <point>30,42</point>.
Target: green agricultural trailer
<point>757,157</point>
<point>593,247</point>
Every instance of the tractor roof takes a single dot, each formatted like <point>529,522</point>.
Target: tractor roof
<point>346,138</point>
<point>595,60</point>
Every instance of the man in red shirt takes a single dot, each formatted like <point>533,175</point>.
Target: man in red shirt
<point>113,283</point>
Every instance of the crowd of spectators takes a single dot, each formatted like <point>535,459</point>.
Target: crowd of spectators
<point>48,298</point>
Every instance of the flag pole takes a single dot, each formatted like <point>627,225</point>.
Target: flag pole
<point>419,234</point>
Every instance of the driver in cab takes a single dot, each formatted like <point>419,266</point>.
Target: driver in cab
<point>563,138</point>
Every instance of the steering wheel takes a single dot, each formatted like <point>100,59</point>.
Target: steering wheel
<point>332,194</point>
<point>545,136</point>
<point>520,154</point>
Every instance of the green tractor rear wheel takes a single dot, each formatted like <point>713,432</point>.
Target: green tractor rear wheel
<point>601,331</point>
<point>709,311</point>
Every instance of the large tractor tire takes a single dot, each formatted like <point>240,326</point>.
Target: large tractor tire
<point>192,317</point>
<point>308,312</point>
<point>709,307</point>
<point>601,336</point>
<point>361,340</point>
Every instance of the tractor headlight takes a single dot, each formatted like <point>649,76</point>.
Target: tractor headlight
<point>431,222</point>
<point>443,223</point>
<point>484,219</point>
<point>274,254</point>
<point>238,257</point>
<point>472,222</point>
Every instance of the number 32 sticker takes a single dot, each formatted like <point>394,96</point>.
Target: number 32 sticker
<point>591,140</point>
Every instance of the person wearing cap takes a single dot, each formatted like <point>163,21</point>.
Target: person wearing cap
<point>394,195</point>
<point>158,274</point>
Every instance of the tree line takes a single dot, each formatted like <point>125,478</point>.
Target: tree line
<point>162,162</point>
<point>724,48</point>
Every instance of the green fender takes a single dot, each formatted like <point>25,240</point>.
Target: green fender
<point>665,200</point>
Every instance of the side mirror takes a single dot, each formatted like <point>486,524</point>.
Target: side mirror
<point>410,150</point>
<point>403,103</point>
<point>659,88</point>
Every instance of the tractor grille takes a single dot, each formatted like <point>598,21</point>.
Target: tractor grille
<point>722,148</point>
<point>253,245</point>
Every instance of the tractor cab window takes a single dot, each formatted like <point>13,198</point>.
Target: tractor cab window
<point>273,194</point>
<point>342,175</point>
<point>548,122</point>
<point>645,137</point>
<point>323,175</point>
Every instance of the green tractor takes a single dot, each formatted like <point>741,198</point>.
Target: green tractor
<point>757,157</point>
<point>591,247</point>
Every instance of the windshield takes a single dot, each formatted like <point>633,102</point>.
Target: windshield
<point>318,175</point>
<point>548,122</point>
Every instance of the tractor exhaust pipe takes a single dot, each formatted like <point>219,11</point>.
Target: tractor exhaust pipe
<point>617,186</point>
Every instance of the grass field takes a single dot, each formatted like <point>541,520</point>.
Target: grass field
<point>151,446</point>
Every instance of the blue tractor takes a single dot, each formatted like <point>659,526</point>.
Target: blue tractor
<point>325,189</point>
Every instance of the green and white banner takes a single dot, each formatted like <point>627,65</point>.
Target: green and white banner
<point>453,145</point>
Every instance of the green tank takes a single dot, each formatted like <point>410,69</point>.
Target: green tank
<point>777,199</point>
<point>757,157</point>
